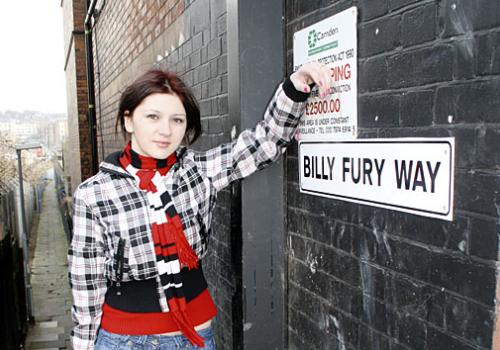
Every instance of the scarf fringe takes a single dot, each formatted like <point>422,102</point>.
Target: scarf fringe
<point>186,254</point>
<point>187,329</point>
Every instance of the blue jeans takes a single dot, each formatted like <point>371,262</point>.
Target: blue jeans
<point>111,341</point>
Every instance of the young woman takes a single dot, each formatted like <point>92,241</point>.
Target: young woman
<point>142,223</point>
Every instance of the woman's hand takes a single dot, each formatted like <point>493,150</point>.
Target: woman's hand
<point>312,72</point>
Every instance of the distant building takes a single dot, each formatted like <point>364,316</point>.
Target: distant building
<point>19,131</point>
<point>25,131</point>
<point>5,128</point>
<point>53,133</point>
<point>49,130</point>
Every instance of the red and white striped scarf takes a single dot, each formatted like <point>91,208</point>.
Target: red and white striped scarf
<point>171,246</point>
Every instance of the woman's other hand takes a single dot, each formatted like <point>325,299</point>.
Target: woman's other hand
<point>309,73</point>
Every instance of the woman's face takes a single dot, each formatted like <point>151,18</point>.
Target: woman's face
<point>157,125</point>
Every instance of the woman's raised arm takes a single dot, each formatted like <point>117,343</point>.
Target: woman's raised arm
<point>256,148</point>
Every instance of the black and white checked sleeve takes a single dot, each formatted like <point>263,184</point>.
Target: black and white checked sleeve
<point>256,148</point>
<point>86,274</point>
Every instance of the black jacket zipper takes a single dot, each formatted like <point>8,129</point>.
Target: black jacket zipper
<point>119,259</point>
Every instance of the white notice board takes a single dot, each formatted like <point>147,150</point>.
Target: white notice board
<point>333,42</point>
<point>413,175</point>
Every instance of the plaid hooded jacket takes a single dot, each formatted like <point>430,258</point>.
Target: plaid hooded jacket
<point>110,206</point>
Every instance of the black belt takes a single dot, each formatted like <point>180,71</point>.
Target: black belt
<point>142,296</point>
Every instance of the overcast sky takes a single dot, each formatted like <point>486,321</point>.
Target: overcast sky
<point>32,56</point>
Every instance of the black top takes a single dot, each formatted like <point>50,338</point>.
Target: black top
<point>141,296</point>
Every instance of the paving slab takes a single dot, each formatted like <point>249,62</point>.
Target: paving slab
<point>52,324</point>
<point>43,331</point>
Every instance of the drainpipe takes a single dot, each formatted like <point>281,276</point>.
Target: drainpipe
<point>91,115</point>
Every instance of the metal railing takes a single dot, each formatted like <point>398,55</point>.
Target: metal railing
<point>13,312</point>
<point>65,204</point>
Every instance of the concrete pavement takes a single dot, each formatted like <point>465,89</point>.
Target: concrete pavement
<point>49,279</point>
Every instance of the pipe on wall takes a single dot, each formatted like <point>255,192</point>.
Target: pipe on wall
<point>91,114</point>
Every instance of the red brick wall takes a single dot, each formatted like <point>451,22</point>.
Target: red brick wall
<point>126,41</point>
<point>127,28</point>
<point>79,157</point>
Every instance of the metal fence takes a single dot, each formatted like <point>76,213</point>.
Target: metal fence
<point>65,203</point>
<point>13,313</point>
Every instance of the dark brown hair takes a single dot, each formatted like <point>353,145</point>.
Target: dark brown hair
<point>163,82</point>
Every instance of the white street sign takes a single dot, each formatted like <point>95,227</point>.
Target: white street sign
<point>413,175</point>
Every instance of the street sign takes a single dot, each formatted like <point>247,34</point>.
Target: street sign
<point>413,175</point>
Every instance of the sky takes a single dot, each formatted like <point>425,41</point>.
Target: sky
<point>32,56</point>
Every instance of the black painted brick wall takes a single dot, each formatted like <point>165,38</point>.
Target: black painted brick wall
<point>368,278</point>
<point>201,61</point>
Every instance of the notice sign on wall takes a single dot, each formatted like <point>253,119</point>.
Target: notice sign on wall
<point>332,42</point>
<point>409,175</point>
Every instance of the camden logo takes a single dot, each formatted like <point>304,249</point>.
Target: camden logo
<point>315,37</point>
<point>311,39</point>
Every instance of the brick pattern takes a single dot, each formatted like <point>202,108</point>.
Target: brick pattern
<point>124,34</point>
<point>106,110</point>
<point>121,34</point>
<point>368,278</point>
<point>79,158</point>
<point>126,29</point>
